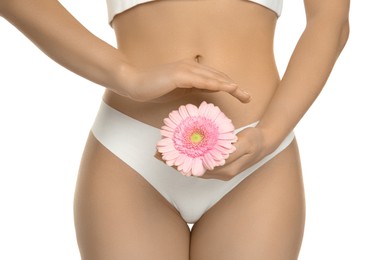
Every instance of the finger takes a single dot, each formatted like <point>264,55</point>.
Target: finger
<point>212,84</point>
<point>233,163</point>
<point>215,80</point>
<point>212,73</point>
<point>241,147</point>
<point>227,172</point>
<point>241,94</point>
<point>208,73</point>
<point>207,69</point>
<point>234,156</point>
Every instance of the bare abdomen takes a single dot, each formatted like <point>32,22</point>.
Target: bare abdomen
<point>235,37</point>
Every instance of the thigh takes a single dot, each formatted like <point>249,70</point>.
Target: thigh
<point>118,215</point>
<point>262,218</point>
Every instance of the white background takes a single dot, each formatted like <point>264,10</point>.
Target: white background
<point>46,113</point>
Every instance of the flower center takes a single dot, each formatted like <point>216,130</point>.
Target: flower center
<point>196,137</point>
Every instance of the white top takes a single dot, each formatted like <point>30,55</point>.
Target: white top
<point>118,6</point>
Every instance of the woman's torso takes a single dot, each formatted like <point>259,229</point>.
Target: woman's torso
<point>233,36</point>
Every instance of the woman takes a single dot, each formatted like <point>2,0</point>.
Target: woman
<point>129,204</point>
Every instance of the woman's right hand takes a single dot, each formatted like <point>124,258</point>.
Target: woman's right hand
<point>51,27</point>
<point>174,80</point>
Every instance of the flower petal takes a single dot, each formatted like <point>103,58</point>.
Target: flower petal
<point>215,154</point>
<point>183,112</point>
<point>170,155</point>
<point>221,118</point>
<point>187,165</point>
<point>165,127</point>
<point>197,167</point>
<point>213,113</point>
<point>169,123</point>
<point>209,110</point>
<point>175,117</point>
<point>166,133</point>
<point>165,142</point>
<point>170,162</point>
<point>222,150</point>
<point>227,136</point>
<point>192,110</point>
<point>180,160</point>
<point>225,127</point>
<point>166,149</point>
<point>208,161</point>
<point>186,173</point>
<point>203,108</point>
<point>221,163</point>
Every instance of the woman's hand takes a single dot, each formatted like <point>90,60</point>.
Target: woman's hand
<point>174,80</point>
<point>250,148</point>
<point>55,31</point>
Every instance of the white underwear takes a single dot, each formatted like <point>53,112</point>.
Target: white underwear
<point>134,143</point>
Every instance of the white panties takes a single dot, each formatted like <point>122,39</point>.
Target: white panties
<point>134,143</point>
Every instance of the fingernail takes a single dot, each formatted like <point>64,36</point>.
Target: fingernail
<point>246,93</point>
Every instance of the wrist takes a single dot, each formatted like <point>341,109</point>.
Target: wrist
<point>122,79</point>
<point>269,139</point>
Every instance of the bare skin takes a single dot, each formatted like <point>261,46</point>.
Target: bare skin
<point>223,45</point>
<point>177,52</point>
<point>120,216</point>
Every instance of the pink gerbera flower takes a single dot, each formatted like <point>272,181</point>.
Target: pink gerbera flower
<point>196,139</point>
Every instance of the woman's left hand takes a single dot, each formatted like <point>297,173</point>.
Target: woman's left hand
<point>250,148</point>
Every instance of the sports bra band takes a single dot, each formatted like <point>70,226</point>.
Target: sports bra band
<point>115,7</point>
